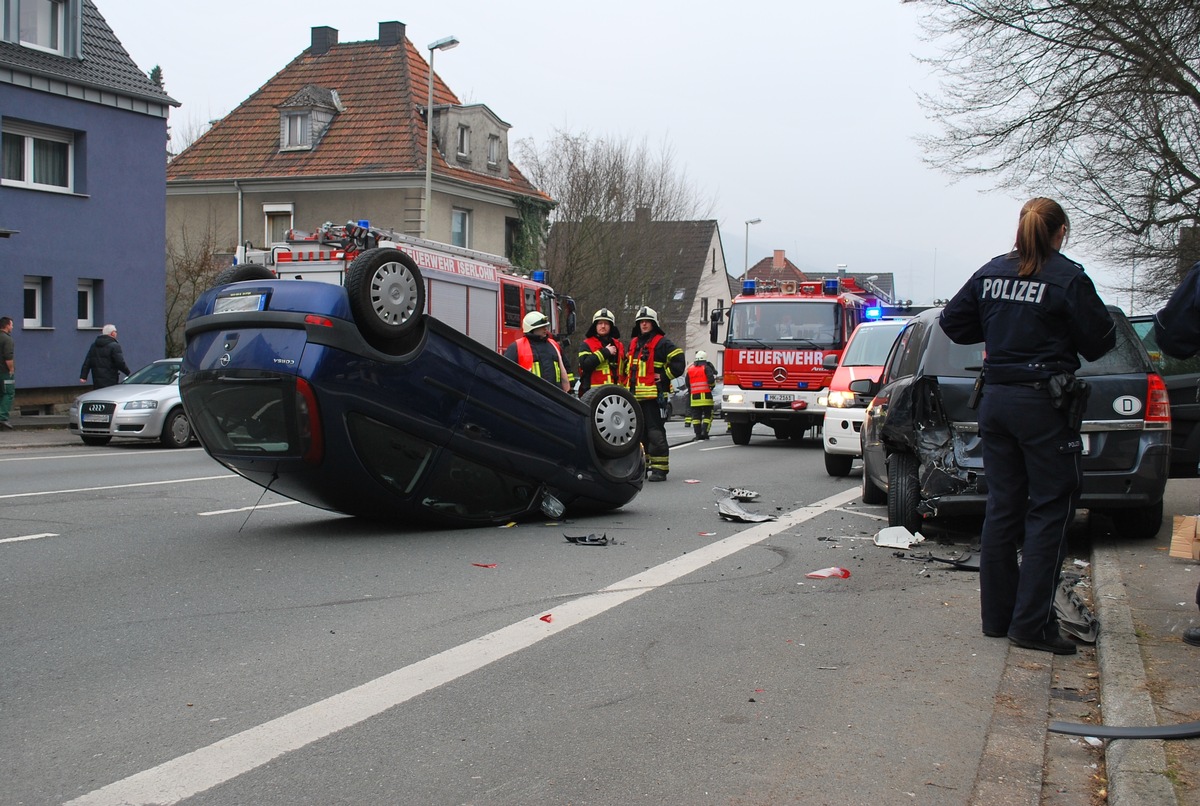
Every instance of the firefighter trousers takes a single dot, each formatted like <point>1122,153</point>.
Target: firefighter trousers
<point>654,437</point>
<point>700,419</point>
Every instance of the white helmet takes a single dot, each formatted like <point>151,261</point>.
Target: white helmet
<point>701,355</point>
<point>604,315</point>
<point>646,312</point>
<point>533,320</point>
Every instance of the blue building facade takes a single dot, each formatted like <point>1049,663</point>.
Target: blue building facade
<point>82,195</point>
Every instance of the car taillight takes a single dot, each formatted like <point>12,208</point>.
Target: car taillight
<point>309,423</point>
<point>1158,404</point>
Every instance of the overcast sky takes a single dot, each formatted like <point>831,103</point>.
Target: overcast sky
<point>798,112</point>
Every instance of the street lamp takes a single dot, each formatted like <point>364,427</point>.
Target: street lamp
<point>746,264</point>
<point>442,44</point>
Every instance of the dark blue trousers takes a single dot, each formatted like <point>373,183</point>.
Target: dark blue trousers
<point>1032,462</point>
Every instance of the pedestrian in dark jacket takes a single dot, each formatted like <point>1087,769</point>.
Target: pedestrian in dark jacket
<point>104,360</point>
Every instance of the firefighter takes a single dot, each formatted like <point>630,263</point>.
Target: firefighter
<point>602,359</point>
<point>538,353</point>
<point>699,381</point>
<point>653,363</point>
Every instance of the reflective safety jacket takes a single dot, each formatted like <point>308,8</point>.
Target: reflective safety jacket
<point>657,358</point>
<point>538,357</point>
<point>700,378</point>
<point>597,367</point>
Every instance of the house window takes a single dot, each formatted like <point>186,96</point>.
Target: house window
<point>37,158</point>
<point>278,219</point>
<point>464,141</point>
<point>36,289</point>
<point>460,227</point>
<point>41,24</point>
<point>493,150</point>
<point>297,130</point>
<point>704,310</point>
<point>85,313</point>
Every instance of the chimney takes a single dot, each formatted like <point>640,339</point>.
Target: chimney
<point>778,261</point>
<point>390,34</point>
<point>323,38</point>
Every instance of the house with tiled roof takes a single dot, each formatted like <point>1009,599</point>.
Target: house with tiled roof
<point>340,134</point>
<point>675,267</point>
<point>82,180</point>
<point>778,268</point>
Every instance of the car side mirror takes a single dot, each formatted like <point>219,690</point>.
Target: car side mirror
<point>864,387</point>
<point>830,361</point>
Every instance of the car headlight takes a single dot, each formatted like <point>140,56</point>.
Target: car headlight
<point>135,405</point>
<point>841,400</point>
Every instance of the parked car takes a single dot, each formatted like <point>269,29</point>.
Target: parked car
<point>921,448</point>
<point>1182,377</point>
<point>680,401</point>
<point>863,357</point>
<point>146,405</point>
<point>354,399</point>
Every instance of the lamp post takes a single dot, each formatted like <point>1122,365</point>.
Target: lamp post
<point>442,44</point>
<point>746,257</point>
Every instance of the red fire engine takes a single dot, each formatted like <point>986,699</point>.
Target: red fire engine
<point>782,344</point>
<point>474,292</point>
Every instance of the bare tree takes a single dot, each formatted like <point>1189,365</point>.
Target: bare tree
<point>193,262</point>
<point>606,193</point>
<point>1096,102</point>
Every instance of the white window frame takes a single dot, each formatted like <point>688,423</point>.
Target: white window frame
<point>464,141</point>
<point>31,134</point>
<point>493,154</point>
<point>57,10</point>
<point>36,285</point>
<point>456,214</point>
<point>271,209</point>
<point>86,292</point>
<point>297,130</point>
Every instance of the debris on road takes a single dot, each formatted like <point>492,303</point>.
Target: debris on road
<point>730,510</point>
<point>738,493</point>
<point>897,537</point>
<point>588,540</point>
<point>826,573</point>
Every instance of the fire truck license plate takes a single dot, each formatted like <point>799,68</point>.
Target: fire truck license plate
<point>95,418</point>
<point>779,398</point>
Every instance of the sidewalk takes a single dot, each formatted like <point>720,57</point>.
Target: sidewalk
<point>37,431</point>
<point>1144,600</point>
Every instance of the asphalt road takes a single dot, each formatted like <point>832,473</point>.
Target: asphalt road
<point>172,634</point>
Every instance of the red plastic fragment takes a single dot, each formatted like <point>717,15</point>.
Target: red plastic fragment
<point>825,573</point>
<point>484,565</point>
<point>545,618</point>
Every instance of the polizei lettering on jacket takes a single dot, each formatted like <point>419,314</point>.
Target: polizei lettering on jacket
<point>1015,290</point>
<point>784,357</point>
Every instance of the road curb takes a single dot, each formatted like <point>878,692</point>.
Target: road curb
<point>1137,768</point>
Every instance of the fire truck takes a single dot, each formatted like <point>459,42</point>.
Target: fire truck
<point>474,292</point>
<point>782,344</point>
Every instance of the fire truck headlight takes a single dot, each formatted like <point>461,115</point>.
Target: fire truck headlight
<point>735,398</point>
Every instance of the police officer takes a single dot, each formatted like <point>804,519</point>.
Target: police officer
<point>538,353</point>
<point>1177,330</point>
<point>653,363</point>
<point>699,381</point>
<point>602,359</point>
<point>1036,312</point>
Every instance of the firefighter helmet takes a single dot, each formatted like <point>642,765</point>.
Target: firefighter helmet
<point>533,320</point>
<point>701,355</point>
<point>645,312</point>
<point>604,315</point>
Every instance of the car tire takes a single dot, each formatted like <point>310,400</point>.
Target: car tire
<point>1140,523</point>
<point>98,442</point>
<point>871,494</point>
<point>838,464</point>
<point>615,420</point>
<point>243,272</point>
<point>904,492</point>
<point>386,292</point>
<point>177,431</point>
<point>741,432</point>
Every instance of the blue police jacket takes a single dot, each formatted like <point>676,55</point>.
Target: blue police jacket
<point>1177,325</point>
<point>1032,327</point>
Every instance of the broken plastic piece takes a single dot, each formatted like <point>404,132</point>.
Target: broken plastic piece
<point>897,537</point>
<point>589,540</point>
<point>826,573</point>
<point>731,510</point>
<point>738,493</point>
<point>484,565</point>
<point>546,618</point>
<point>1074,617</point>
<point>966,561</point>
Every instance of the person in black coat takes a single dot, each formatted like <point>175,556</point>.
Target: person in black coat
<point>104,360</point>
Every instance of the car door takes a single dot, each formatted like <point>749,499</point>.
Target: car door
<point>1182,377</point>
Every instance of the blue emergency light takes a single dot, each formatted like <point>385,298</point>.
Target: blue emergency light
<point>364,223</point>
<point>748,287</point>
<point>831,286</point>
<point>539,276</point>
<point>874,312</point>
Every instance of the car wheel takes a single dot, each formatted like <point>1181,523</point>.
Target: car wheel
<point>871,494</point>
<point>904,492</point>
<point>387,293</point>
<point>177,431</point>
<point>616,426</point>
<point>838,464</point>
<point>98,442</point>
<point>741,432</point>
<point>246,271</point>
<point>1141,523</point>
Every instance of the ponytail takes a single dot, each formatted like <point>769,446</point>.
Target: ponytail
<point>1040,220</point>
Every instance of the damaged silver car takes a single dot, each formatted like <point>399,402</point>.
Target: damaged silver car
<point>922,454</point>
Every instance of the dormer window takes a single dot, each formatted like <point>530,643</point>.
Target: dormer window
<point>42,25</point>
<point>493,150</point>
<point>306,116</point>
<point>464,141</point>
<point>299,131</point>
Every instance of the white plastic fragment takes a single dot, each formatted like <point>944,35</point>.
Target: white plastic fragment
<point>897,537</point>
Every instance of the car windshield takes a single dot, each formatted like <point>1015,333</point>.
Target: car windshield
<point>159,373</point>
<point>870,345</point>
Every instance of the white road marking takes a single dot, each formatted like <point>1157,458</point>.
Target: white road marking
<point>99,455</point>
<point>118,486</point>
<point>247,509</point>
<point>195,772</point>
<point>28,537</point>
<point>859,512</point>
